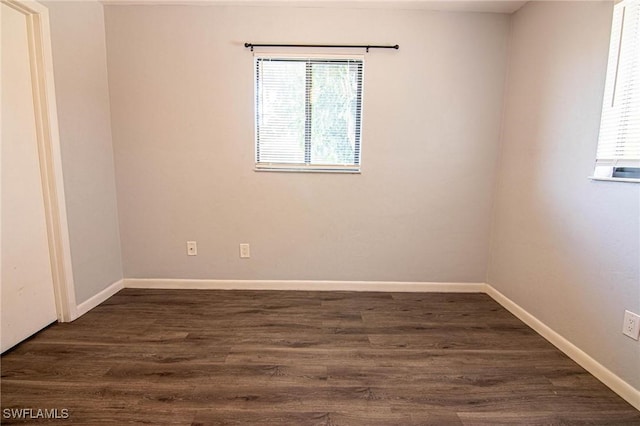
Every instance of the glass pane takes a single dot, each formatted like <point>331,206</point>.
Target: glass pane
<point>281,111</point>
<point>334,104</point>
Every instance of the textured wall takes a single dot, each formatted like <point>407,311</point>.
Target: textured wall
<point>182,98</point>
<point>82,96</point>
<point>564,247</point>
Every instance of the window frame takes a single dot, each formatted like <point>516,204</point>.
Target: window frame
<point>308,166</point>
<point>617,168</point>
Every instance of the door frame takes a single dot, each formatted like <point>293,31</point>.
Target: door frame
<point>49,153</point>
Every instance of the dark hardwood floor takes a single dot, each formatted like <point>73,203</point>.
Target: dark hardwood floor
<point>298,358</point>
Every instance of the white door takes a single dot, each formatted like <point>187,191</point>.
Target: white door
<point>27,294</point>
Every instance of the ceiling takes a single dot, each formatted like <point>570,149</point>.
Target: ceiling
<point>492,6</point>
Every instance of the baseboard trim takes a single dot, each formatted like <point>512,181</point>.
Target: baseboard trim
<point>382,286</point>
<point>94,301</point>
<point>602,373</point>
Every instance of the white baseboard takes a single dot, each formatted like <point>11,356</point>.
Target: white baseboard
<point>94,301</point>
<point>385,286</point>
<point>602,373</point>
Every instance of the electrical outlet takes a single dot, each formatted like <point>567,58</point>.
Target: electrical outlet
<point>192,248</point>
<point>631,325</point>
<point>245,252</point>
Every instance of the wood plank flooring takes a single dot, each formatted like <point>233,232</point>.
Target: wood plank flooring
<point>303,358</point>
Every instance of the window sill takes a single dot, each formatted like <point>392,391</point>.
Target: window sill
<point>614,179</point>
<point>306,169</point>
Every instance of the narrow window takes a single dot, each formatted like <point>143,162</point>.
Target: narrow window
<point>618,155</point>
<point>308,113</point>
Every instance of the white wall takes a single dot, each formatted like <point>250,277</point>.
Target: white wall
<point>82,96</point>
<point>565,248</point>
<point>181,87</point>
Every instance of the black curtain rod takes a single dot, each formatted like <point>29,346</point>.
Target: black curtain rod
<point>339,46</point>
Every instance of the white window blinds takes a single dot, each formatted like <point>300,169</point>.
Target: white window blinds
<point>308,113</point>
<point>619,140</point>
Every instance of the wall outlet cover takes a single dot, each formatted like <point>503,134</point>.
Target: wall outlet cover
<point>192,248</point>
<point>631,325</point>
<point>245,251</point>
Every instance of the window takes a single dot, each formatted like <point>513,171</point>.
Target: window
<point>618,155</point>
<point>308,113</point>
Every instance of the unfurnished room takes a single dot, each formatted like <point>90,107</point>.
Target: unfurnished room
<point>320,212</point>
